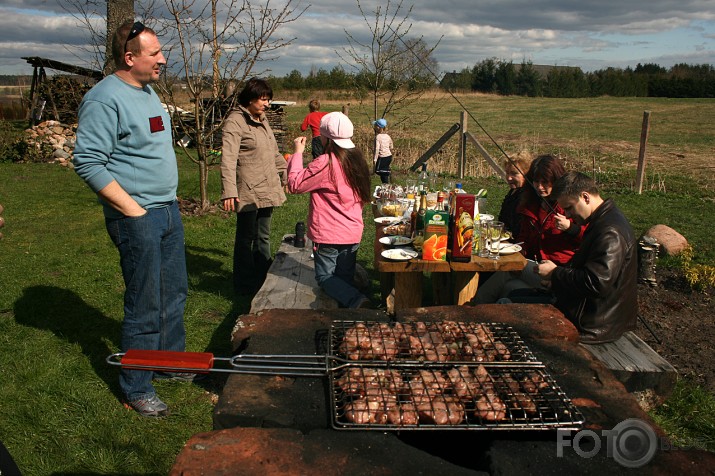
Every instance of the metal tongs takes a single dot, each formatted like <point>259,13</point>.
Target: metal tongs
<point>205,362</point>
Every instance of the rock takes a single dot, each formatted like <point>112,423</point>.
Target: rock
<point>59,137</point>
<point>61,154</point>
<point>670,240</point>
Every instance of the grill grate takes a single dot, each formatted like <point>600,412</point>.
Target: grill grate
<point>413,389</point>
<point>446,341</point>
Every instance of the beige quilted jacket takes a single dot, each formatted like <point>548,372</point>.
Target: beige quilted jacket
<point>252,167</point>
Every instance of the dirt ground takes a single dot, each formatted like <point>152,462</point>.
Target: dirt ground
<point>683,322</point>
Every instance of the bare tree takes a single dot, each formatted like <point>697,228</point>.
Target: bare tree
<point>118,13</point>
<point>211,46</point>
<point>397,70</point>
<point>100,18</point>
<point>216,46</point>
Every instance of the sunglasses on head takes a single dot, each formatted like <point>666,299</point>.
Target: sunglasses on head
<point>137,28</point>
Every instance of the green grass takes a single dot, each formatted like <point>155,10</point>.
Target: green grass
<point>61,288</point>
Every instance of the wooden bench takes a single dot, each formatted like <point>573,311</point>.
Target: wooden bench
<point>636,364</point>
<point>290,283</point>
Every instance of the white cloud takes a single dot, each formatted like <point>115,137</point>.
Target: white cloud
<point>590,33</point>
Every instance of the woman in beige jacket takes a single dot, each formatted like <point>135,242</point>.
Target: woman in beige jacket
<point>252,179</point>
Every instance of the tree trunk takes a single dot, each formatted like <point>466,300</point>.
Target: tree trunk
<point>204,182</point>
<point>118,13</point>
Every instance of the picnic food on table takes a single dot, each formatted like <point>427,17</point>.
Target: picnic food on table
<point>397,229</point>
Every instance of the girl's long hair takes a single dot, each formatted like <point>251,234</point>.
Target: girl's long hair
<point>354,167</point>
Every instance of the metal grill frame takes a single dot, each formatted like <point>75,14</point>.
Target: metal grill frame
<point>554,408</point>
<point>503,334</point>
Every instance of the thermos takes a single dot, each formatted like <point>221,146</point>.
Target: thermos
<point>299,240</point>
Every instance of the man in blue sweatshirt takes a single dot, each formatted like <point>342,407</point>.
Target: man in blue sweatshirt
<point>124,153</point>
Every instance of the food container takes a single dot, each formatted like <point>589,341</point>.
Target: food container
<point>391,208</point>
<point>434,247</point>
<point>462,227</point>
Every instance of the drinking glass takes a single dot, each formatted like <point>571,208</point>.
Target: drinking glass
<point>411,189</point>
<point>482,243</point>
<point>496,228</point>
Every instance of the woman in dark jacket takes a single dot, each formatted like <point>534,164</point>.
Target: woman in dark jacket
<point>514,168</point>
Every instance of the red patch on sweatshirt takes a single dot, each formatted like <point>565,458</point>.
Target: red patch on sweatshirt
<point>156,124</point>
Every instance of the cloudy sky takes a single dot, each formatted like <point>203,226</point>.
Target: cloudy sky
<point>586,33</point>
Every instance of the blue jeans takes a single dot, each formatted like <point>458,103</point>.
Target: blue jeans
<point>153,262</point>
<point>252,250</point>
<point>335,270</point>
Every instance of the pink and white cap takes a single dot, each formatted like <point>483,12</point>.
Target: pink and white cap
<point>337,127</point>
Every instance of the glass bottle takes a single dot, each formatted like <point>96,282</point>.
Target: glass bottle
<point>413,216</point>
<point>420,225</point>
<point>423,179</point>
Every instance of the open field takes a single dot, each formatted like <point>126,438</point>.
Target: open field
<point>61,299</point>
<point>590,133</point>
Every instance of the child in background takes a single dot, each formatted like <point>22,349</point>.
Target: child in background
<point>383,151</point>
<point>312,119</point>
<point>339,186</point>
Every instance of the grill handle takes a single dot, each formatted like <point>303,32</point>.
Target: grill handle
<point>205,362</point>
<point>287,365</point>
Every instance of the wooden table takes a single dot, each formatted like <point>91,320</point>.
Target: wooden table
<point>452,282</point>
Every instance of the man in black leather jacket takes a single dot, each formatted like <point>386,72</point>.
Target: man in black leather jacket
<point>597,289</point>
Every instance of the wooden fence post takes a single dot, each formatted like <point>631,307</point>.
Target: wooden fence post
<point>462,145</point>
<point>490,160</point>
<point>645,128</point>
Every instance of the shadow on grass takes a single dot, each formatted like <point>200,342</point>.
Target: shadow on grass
<point>67,316</point>
<point>205,273</point>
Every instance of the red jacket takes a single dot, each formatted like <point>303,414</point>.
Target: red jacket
<point>542,239</point>
<point>312,120</point>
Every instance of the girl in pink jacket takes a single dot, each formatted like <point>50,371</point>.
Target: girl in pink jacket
<point>339,186</point>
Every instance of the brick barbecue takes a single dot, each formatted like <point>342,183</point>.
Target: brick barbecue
<point>281,425</point>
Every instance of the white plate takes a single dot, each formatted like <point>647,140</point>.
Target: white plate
<point>486,217</point>
<point>395,240</point>
<point>387,220</point>
<point>508,249</point>
<point>399,254</point>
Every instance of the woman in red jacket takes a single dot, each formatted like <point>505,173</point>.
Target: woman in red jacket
<point>544,230</point>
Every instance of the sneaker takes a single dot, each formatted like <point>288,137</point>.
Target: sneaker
<point>365,303</point>
<point>149,407</point>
